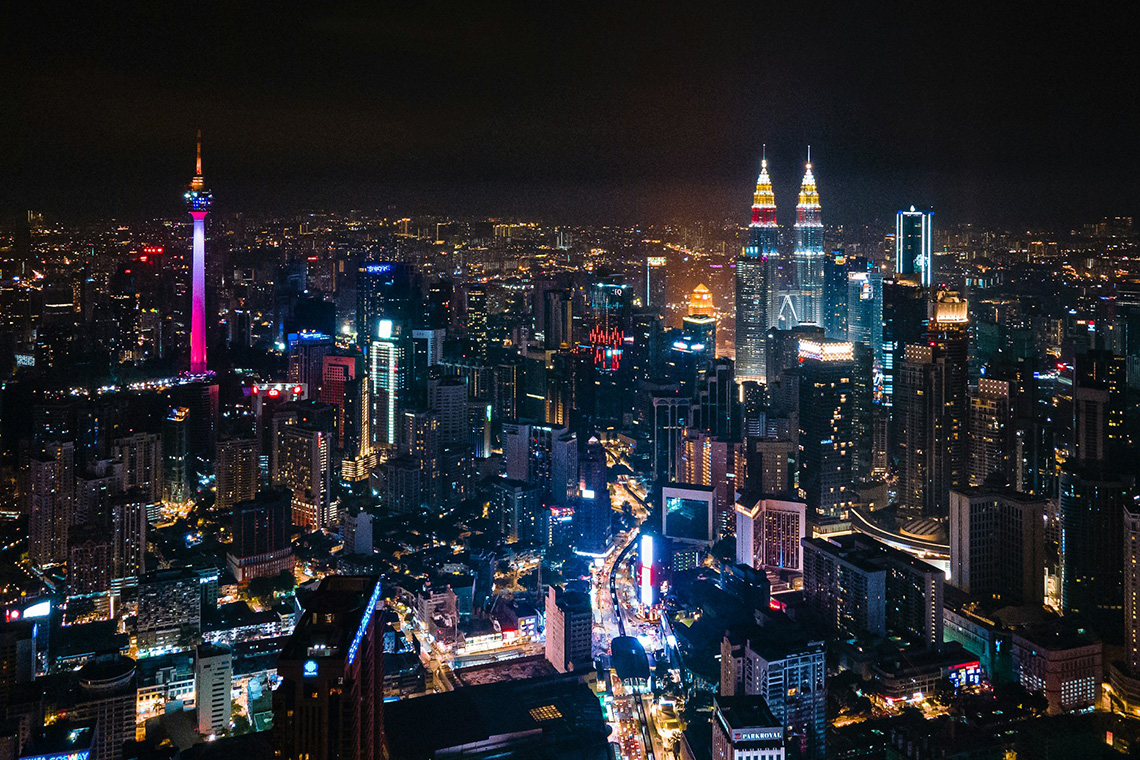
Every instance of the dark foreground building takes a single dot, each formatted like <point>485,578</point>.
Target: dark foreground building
<point>330,705</point>
<point>555,716</point>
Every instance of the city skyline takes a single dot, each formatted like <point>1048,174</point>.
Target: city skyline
<point>472,114</point>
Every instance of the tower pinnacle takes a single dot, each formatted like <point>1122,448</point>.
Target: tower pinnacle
<point>199,172</point>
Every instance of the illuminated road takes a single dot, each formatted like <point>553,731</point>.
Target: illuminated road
<point>614,615</point>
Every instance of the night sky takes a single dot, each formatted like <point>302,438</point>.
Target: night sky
<point>627,111</point>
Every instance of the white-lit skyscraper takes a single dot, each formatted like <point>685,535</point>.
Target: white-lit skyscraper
<point>914,245</point>
<point>752,283</point>
<point>809,256</point>
<point>387,355</point>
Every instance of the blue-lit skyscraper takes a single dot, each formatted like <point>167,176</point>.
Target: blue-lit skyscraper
<point>914,245</point>
<point>809,256</point>
<point>752,281</point>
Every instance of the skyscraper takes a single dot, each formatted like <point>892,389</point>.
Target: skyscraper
<point>931,403</point>
<point>384,290</point>
<point>388,356</point>
<point>914,245</point>
<point>198,202</point>
<point>330,705</point>
<point>997,545</point>
<point>827,434</point>
<point>809,256</point>
<point>305,461</point>
<point>237,471</point>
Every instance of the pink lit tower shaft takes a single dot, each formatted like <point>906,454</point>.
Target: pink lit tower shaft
<point>198,200</point>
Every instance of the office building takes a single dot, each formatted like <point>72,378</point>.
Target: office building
<point>569,630</point>
<point>384,290</point>
<point>904,323</point>
<point>769,533</point>
<point>993,430</point>
<point>338,371</point>
<point>129,527</point>
<point>861,587</point>
<point>237,471</point>
<point>358,455</point>
<point>997,545</point>
<point>261,529</point>
<point>688,512</point>
<point>1099,382</point>
<point>447,396</point>
<point>103,692</point>
<point>213,684</point>
<point>476,322</point>
<point>743,728</point>
<point>655,296</point>
<point>388,357</point>
<point>808,255</point>
<point>753,287</point>
<point>176,465</point>
<point>593,514</point>
<point>826,425</point>
<point>670,415</point>
<point>932,404</point>
<point>307,354</point>
<point>865,316</point>
<point>914,246</point>
<point>330,704</point>
<point>516,510</point>
<point>542,455</point>
<point>1091,506</point>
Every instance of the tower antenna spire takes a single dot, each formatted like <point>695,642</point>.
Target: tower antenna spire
<point>199,172</point>
<point>809,153</point>
<point>763,151</point>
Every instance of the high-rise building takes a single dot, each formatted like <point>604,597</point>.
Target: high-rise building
<point>670,415</point>
<point>477,312</point>
<point>420,439</point>
<point>307,354</point>
<point>569,630</point>
<point>788,671</point>
<point>809,256</point>
<point>337,372</point>
<point>198,202</point>
<point>260,546</point>
<point>1091,505</point>
<point>447,396</point>
<point>610,314</point>
<point>826,431</point>
<point>141,456</point>
<point>1099,382</point>
<point>176,456</point>
<point>656,294</point>
<point>330,705</point>
<point>997,545</point>
<point>914,246</point>
<point>688,512</point>
<point>904,322</point>
<point>358,456</point>
<point>865,316</point>
<point>769,532</point>
<point>169,610</point>
<point>862,587</point>
<point>743,728</point>
<point>753,288</point>
<point>51,484</point>
<point>931,407</point>
<point>388,358</point>
<point>542,455</point>
<point>384,290</point>
<point>237,471</point>
<point>213,684</point>
<point>593,515</point>
<point>1125,676</point>
<point>993,431</point>
<point>128,530</point>
<point>304,460</point>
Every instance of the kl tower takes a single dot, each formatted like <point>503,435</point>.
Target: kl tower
<point>198,200</point>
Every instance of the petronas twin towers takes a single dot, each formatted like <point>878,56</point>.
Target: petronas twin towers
<point>769,293</point>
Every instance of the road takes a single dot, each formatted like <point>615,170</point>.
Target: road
<point>633,720</point>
